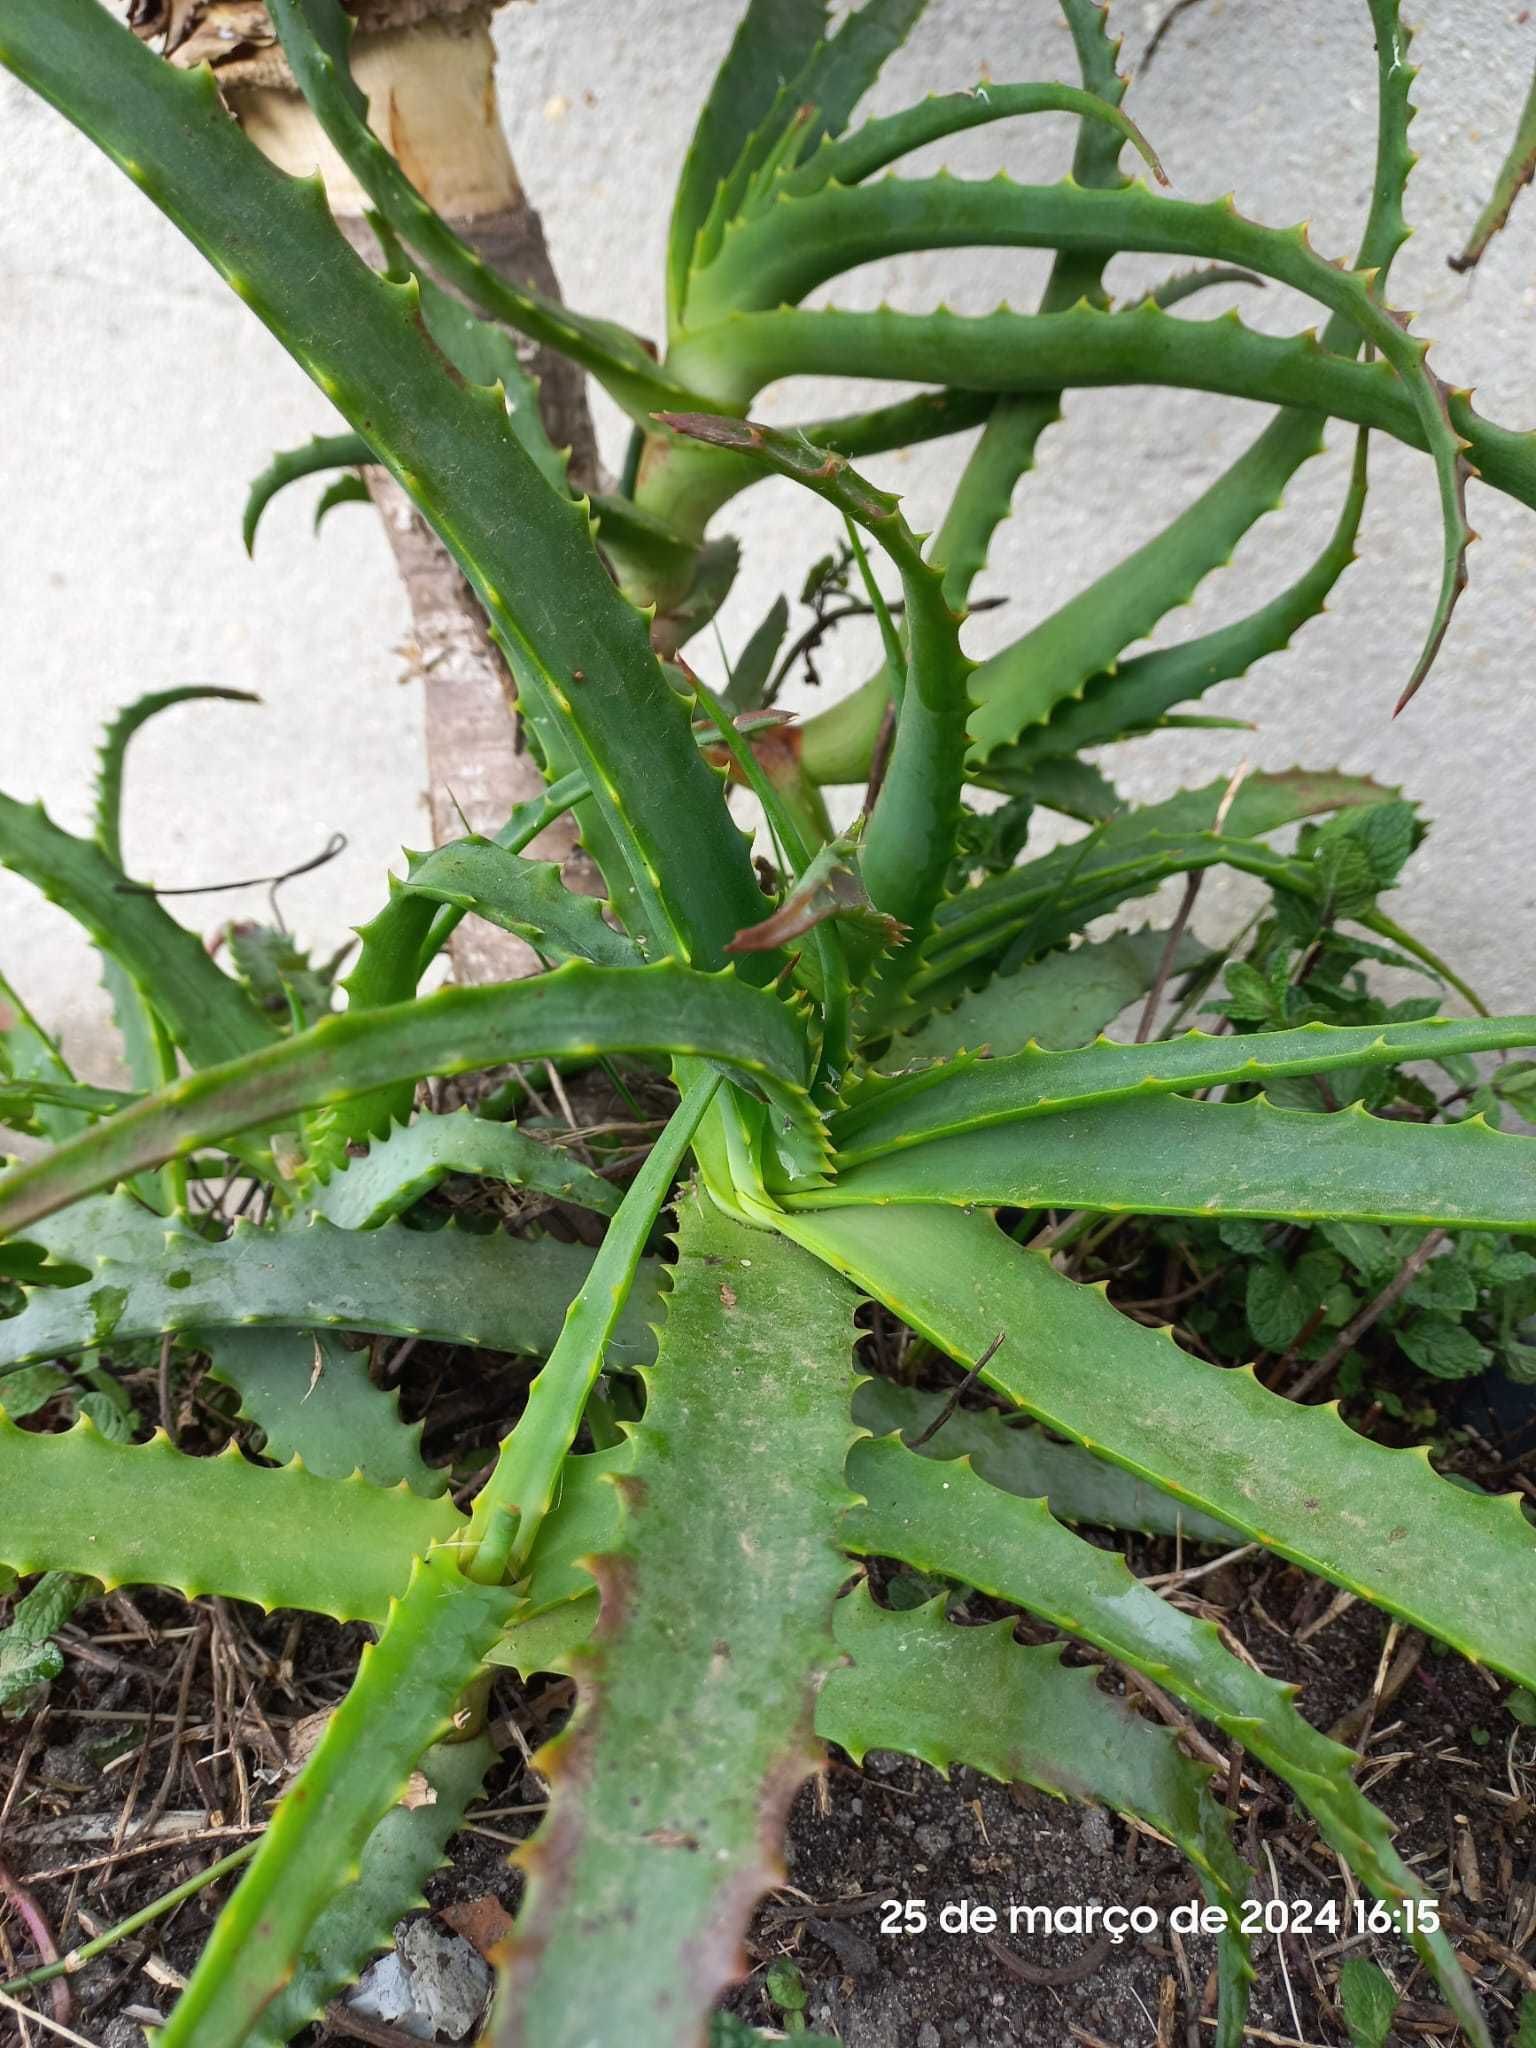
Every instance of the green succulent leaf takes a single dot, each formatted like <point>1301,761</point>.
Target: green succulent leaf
<point>486,354</point>
<point>1045,902</point>
<point>773,40</point>
<point>210,1016</point>
<point>917,1683</point>
<point>944,1518</point>
<point>40,1091</point>
<point>401,1853</point>
<point>1064,1000</point>
<point>908,841</point>
<point>148,1041</point>
<point>1137,695</point>
<point>397,1171</point>
<point>147,1515</point>
<point>1514,174</point>
<point>346,489</point>
<point>580,1010</point>
<point>1083,347</point>
<point>1077,1486</point>
<point>528,897</point>
<point>315,36</point>
<point>1380,1522</point>
<point>433,1644</point>
<point>1168,1156</point>
<point>498,1292</point>
<point>528,1473</point>
<point>968,1095</point>
<point>580,653</point>
<point>312,1399</point>
<point>878,143</point>
<point>756,1344</point>
<point>320,453</point>
<point>396,949</point>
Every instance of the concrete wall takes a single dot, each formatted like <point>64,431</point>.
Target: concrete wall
<point>139,398</point>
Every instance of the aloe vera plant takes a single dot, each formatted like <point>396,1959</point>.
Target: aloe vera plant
<point>887,1065</point>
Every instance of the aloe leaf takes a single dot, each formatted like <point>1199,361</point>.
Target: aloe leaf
<point>813,102</point>
<point>909,839</point>
<point>41,1082</point>
<point>776,258</point>
<point>1137,695</point>
<point>549,1640</point>
<point>113,752</point>
<point>652,556</point>
<point>1064,1000</point>
<point>946,1519</point>
<point>917,1683</point>
<point>848,64</point>
<point>1065,783</point>
<point>664,1850</point>
<point>528,555</point>
<point>1023,1460</point>
<point>1090,632</point>
<point>401,1853</point>
<point>752,671</point>
<point>528,897</point>
<point>148,1048</point>
<point>315,36</point>
<point>312,1398</point>
<point>796,840</point>
<point>1514,174</point>
<point>1186,284</point>
<point>403,1700</point>
<point>1005,450</point>
<point>1045,902</point>
<point>396,948</point>
<point>583,1523</point>
<point>145,1514</point>
<point>1021,686</point>
<point>116,1226</point>
<point>1085,347</point>
<point>1174,1157</point>
<point>773,39</point>
<point>528,1471</point>
<point>994,929</point>
<point>1449,1560</point>
<point>320,453</point>
<point>966,1095</point>
<point>487,355</point>
<point>878,143</point>
<point>346,489</point>
<point>498,1292</point>
<point>397,1170</point>
<point>578,1010</point>
<point>207,1013</point>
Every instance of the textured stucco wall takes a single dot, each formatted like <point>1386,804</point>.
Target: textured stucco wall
<point>139,398</point>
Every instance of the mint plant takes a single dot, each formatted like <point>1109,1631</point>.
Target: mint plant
<point>883,1049</point>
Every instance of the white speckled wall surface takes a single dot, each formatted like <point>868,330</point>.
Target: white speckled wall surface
<point>139,398</point>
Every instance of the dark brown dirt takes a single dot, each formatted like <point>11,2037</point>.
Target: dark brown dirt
<point>1450,1767</point>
